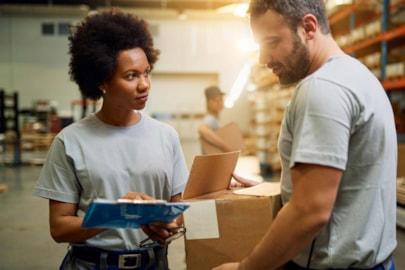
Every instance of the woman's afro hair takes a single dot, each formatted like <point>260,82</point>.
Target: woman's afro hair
<point>96,42</point>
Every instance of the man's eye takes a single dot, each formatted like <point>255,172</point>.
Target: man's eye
<point>272,44</point>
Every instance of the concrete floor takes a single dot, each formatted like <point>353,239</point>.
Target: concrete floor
<point>25,242</point>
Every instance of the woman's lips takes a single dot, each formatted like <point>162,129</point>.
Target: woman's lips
<point>142,98</point>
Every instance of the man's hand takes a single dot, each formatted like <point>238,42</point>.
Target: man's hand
<point>242,182</point>
<point>227,266</point>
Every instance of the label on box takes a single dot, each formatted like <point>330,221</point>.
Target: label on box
<point>201,220</point>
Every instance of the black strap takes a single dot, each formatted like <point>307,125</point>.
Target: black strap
<point>310,254</point>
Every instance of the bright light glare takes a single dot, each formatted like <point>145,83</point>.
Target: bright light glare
<point>238,85</point>
<point>239,10</point>
<point>248,45</point>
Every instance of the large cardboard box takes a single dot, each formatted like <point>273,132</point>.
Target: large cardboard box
<point>241,222</point>
<point>231,134</point>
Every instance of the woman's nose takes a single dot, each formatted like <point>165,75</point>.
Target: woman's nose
<point>144,83</point>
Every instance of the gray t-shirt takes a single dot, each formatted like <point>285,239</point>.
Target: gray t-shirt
<point>90,159</point>
<point>340,117</point>
<point>211,121</point>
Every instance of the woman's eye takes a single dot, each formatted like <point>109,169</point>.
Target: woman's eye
<point>131,76</point>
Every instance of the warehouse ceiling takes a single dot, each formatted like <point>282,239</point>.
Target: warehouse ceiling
<point>154,4</point>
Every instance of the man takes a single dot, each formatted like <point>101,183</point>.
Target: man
<point>215,104</point>
<point>338,147</point>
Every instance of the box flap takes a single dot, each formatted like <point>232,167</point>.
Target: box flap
<point>210,173</point>
<point>229,133</point>
<point>262,189</point>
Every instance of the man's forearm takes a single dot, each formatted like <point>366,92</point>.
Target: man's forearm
<point>289,234</point>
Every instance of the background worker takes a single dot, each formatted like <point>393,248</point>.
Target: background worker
<point>215,105</point>
<point>338,148</point>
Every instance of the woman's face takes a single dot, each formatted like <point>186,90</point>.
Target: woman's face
<point>128,88</point>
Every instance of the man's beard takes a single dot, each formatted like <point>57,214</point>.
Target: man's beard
<point>297,64</point>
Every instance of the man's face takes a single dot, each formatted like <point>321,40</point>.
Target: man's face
<point>281,49</point>
<point>216,103</point>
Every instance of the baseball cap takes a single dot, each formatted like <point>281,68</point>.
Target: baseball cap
<point>213,91</point>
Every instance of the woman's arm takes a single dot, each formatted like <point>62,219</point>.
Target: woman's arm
<point>65,226</point>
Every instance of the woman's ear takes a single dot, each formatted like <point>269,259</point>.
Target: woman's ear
<point>103,88</point>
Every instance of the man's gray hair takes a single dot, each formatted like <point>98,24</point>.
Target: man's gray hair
<point>293,11</point>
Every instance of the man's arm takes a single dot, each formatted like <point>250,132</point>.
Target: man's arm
<point>299,221</point>
<point>210,136</point>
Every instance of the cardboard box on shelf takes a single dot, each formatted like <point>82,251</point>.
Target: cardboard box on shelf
<point>223,226</point>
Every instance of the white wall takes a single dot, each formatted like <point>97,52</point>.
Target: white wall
<point>37,66</point>
<point>5,53</point>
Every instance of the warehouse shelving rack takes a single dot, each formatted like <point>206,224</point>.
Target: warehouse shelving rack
<point>9,113</point>
<point>355,15</point>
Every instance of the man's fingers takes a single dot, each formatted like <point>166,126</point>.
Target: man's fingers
<point>243,181</point>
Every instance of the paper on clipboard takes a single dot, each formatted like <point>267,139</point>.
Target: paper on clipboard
<point>263,189</point>
<point>210,173</point>
<point>231,134</point>
<point>201,220</point>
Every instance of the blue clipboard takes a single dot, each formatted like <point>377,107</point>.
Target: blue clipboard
<point>130,214</point>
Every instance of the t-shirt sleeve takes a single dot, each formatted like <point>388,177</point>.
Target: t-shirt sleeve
<point>321,125</point>
<point>211,122</point>
<point>57,180</point>
<point>180,172</point>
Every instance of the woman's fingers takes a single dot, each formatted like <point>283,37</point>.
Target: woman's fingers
<point>137,196</point>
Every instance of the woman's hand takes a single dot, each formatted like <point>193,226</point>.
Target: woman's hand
<point>137,196</point>
<point>160,231</point>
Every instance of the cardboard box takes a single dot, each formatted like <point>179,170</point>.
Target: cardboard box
<point>231,134</point>
<point>241,220</point>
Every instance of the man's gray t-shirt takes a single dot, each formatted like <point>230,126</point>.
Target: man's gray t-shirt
<point>340,117</point>
<point>90,159</point>
<point>211,121</point>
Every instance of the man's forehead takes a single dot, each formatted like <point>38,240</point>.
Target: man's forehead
<point>270,21</point>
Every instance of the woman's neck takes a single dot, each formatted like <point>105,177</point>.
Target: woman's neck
<point>120,118</point>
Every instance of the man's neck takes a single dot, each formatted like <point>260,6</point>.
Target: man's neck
<point>216,114</point>
<point>325,49</point>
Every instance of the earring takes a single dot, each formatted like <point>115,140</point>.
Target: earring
<point>102,90</point>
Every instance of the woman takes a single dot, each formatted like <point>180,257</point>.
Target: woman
<point>115,153</point>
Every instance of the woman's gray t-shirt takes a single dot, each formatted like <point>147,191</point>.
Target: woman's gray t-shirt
<point>90,159</point>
